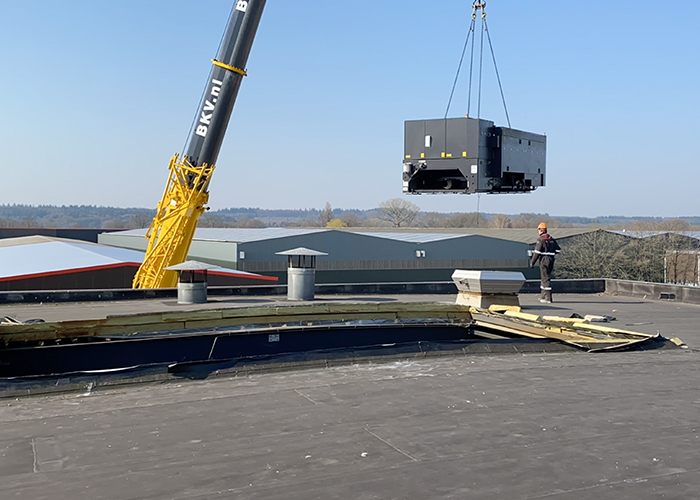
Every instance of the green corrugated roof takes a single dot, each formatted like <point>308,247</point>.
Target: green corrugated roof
<point>527,235</point>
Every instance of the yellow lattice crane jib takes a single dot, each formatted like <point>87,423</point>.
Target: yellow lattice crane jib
<point>172,229</point>
<point>187,191</point>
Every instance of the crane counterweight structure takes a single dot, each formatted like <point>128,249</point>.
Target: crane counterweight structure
<point>187,190</point>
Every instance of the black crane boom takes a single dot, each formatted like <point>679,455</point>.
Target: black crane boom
<point>224,81</point>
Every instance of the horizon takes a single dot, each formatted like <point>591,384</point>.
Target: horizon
<point>314,209</point>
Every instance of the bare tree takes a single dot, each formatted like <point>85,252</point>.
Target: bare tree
<point>649,249</point>
<point>682,267</point>
<point>326,215</point>
<point>248,222</point>
<point>116,224</point>
<point>140,221</point>
<point>532,220</point>
<point>671,251</point>
<point>637,255</point>
<point>526,221</point>
<point>352,220</point>
<point>29,222</point>
<point>500,221</point>
<point>473,219</point>
<point>598,254</point>
<point>208,220</point>
<point>644,226</point>
<point>398,212</point>
<point>675,225</point>
<point>432,219</point>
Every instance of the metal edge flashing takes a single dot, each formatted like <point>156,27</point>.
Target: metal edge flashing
<point>667,292</point>
<point>391,288</point>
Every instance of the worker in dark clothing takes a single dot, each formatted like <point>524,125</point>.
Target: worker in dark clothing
<point>545,251</point>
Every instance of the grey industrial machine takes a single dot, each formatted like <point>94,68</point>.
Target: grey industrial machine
<point>469,155</point>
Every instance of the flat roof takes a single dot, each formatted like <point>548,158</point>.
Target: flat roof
<point>491,426</point>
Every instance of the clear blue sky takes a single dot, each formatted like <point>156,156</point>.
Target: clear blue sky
<point>95,96</point>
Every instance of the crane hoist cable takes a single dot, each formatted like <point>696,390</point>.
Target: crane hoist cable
<point>471,35</point>
<point>495,67</point>
<point>481,60</point>
<point>471,65</point>
<point>459,66</point>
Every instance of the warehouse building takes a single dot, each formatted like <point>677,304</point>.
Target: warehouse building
<point>45,263</point>
<point>359,255</point>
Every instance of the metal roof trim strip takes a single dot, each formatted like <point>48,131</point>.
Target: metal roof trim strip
<point>69,271</point>
<point>198,267</point>
<point>243,274</point>
<point>237,274</point>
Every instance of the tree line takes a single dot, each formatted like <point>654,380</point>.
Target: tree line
<point>397,213</point>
